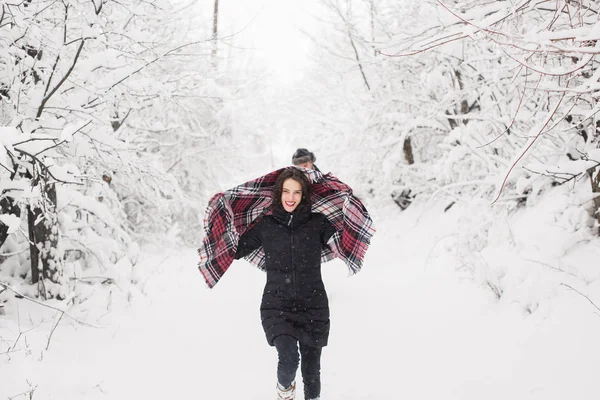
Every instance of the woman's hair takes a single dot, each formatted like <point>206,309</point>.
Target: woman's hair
<point>299,177</point>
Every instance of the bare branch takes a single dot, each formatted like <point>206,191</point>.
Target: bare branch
<point>98,9</point>
<point>62,314</point>
<point>472,24</point>
<point>581,294</point>
<point>147,64</point>
<point>514,116</point>
<point>548,119</point>
<point>425,49</point>
<point>62,141</point>
<point>362,72</point>
<point>49,95</point>
<point>49,306</point>
<point>45,168</point>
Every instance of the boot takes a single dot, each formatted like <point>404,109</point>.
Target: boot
<point>286,394</point>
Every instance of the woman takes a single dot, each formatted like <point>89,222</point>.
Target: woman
<point>294,309</point>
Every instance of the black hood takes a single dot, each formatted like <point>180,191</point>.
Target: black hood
<point>300,215</point>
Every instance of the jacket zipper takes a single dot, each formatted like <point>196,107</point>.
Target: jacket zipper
<point>292,254</point>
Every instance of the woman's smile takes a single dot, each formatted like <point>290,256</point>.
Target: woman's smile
<point>291,194</point>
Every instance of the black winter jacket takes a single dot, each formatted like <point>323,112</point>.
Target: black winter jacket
<point>294,300</point>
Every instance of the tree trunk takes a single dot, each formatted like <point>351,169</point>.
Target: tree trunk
<point>372,9</point>
<point>33,250</point>
<point>215,31</point>
<point>594,174</point>
<point>464,104</point>
<point>408,151</point>
<point>46,263</point>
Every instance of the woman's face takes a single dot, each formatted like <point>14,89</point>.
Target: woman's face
<point>291,195</point>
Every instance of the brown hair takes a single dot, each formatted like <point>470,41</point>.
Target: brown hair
<point>298,176</point>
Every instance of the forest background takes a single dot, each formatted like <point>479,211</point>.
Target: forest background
<point>120,119</point>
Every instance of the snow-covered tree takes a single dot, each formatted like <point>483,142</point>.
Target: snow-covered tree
<point>91,96</point>
<point>533,72</point>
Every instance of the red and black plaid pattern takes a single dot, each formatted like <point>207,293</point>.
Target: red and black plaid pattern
<point>231,213</point>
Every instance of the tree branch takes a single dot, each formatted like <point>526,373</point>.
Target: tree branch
<point>581,294</point>
<point>550,115</point>
<point>362,72</point>
<point>168,53</point>
<point>49,95</point>
<point>45,168</point>
<point>49,306</point>
<point>97,9</point>
<point>516,112</point>
<point>62,141</point>
<point>62,314</point>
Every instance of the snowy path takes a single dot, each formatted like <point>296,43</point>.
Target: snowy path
<point>406,327</point>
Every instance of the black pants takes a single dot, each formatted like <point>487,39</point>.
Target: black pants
<point>310,358</point>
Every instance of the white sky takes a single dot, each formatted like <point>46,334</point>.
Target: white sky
<point>270,49</point>
<point>270,31</point>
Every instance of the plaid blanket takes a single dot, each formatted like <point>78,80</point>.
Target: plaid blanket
<point>231,213</point>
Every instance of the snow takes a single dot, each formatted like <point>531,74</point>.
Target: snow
<point>21,187</point>
<point>8,135</point>
<point>408,324</point>
<point>3,156</point>
<point>11,221</point>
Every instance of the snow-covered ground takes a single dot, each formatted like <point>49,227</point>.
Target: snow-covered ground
<point>409,326</point>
